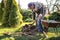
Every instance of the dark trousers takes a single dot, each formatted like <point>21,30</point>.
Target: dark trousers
<point>39,25</point>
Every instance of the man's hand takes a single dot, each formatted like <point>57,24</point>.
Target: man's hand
<point>40,15</point>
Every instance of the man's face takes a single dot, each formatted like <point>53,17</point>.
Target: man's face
<point>32,7</point>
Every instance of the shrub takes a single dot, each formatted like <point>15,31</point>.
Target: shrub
<point>12,16</point>
<point>45,18</point>
<point>27,14</point>
<point>54,16</point>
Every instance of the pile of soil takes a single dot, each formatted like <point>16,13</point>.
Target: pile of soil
<point>29,29</point>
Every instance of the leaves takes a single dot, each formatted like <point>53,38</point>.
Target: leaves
<point>12,16</point>
<point>55,16</point>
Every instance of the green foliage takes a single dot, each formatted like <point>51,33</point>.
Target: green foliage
<point>12,16</point>
<point>27,14</point>
<point>45,18</point>
<point>29,20</point>
<point>1,10</point>
<point>54,16</point>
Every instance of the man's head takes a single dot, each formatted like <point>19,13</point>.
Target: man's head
<point>31,6</point>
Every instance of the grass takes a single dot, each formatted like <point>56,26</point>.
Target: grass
<point>51,34</point>
<point>3,30</point>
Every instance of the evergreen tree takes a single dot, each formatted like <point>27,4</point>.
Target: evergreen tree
<point>12,16</point>
<point>1,10</point>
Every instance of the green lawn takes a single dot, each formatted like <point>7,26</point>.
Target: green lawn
<point>51,34</point>
<point>3,30</point>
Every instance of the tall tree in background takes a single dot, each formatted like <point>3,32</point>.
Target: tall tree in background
<point>51,4</point>
<point>12,16</point>
<point>56,5</point>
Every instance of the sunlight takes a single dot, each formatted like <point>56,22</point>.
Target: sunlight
<point>0,1</point>
<point>24,3</point>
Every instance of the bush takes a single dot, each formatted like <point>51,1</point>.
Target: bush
<point>45,18</point>
<point>54,16</point>
<point>27,14</point>
<point>12,17</point>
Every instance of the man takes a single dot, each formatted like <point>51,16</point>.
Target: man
<point>38,10</point>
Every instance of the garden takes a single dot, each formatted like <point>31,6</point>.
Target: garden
<point>16,23</point>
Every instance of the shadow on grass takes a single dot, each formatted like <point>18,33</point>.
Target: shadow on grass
<point>29,37</point>
<point>25,38</point>
<point>4,36</point>
<point>22,37</point>
<point>1,37</point>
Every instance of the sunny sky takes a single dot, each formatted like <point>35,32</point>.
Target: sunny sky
<point>24,3</point>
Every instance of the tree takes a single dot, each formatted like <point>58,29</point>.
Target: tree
<point>51,4</point>
<point>1,10</point>
<point>12,16</point>
<point>56,5</point>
